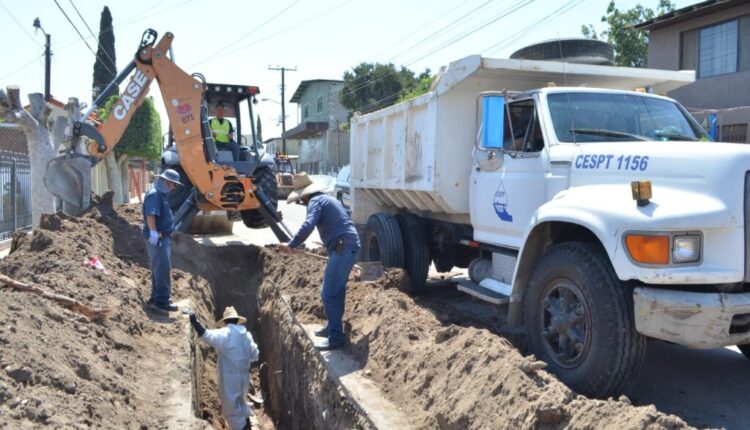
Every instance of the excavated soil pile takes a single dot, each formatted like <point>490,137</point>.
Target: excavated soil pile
<point>57,368</point>
<point>445,375</point>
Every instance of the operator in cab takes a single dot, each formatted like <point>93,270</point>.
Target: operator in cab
<point>223,132</point>
<point>158,224</point>
<point>340,238</point>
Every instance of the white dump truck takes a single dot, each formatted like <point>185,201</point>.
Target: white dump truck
<point>597,210</point>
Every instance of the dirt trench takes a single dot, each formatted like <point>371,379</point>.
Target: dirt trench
<point>61,370</point>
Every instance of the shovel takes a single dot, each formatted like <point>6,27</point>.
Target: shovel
<point>364,270</point>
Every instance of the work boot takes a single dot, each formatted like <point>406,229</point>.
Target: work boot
<point>162,309</point>
<point>321,332</point>
<point>325,345</point>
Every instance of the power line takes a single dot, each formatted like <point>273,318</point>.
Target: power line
<point>426,39</point>
<point>19,24</point>
<point>216,54</point>
<point>21,68</point>
<point>518,6</point>
<point>114,73</point>
<point>74,27</point>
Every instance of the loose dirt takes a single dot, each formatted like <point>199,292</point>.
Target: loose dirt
<point>449,376</point>
<point>61,370</point>
<point>128,371</point>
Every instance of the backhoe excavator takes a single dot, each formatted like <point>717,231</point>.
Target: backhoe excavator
<point>214,185</point>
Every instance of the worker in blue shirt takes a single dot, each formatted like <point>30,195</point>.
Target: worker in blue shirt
<point>158,224</point>
<point>340,238</point>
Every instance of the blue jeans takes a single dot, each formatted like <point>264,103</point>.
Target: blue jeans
<point>334,291</point>
<point>160,258</point>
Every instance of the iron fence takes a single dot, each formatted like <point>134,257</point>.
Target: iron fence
<point>15,205</point>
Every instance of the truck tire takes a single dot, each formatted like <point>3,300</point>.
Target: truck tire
<point>383,241</point>
<point>416,252</point>
<point>745,349</point>
<point>579,319</point>
<point>266,181</point>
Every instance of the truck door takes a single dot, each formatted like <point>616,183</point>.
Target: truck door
<point>507,183</point>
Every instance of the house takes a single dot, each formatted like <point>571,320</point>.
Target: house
<point>712,38</point>
<point>324,144</point>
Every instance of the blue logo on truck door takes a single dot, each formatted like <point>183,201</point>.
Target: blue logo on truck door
<point>500,203</point>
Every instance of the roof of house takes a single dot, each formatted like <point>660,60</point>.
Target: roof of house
<point>306,129</point>
<point>303,87</point>
<point>12,139</point>
<point>688,13</point>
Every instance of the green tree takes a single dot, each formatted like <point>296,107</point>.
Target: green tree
<point>631,45</point>
<point>105,66</point>
<point>142,138</point>
<point>419,86</point>
<point>258,130</point>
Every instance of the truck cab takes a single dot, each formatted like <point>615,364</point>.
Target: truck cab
<point>592,210</point>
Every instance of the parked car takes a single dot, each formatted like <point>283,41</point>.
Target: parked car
<point>342,187</point>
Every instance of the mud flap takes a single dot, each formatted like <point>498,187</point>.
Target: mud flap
<point>69,178</point>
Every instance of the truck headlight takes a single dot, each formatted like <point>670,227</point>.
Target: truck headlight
<point>686,249</point>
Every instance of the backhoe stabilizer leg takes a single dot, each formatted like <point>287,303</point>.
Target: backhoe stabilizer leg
<point>183,218</point>
<point>272,217</point>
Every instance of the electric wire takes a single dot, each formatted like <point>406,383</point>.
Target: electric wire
<point>112,61</point>
<point>32,61</point>
<point>74,27</point>
<point>19,24</point>
<point>256,28</point>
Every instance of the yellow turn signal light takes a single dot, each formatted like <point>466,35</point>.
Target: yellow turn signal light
<point>648,249</point>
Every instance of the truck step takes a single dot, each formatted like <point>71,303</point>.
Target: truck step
<point>482,293</point>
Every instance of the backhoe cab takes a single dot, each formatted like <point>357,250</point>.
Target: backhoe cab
<point>212,182</point>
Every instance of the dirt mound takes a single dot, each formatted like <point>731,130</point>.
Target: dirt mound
<point>62,370</point>
<point>455,377</point>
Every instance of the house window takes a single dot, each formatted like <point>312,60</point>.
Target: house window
<point>305,112</point>
<point>718,49</point>
<point>320,104</point>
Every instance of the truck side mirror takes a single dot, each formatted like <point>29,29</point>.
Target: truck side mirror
<point>493,121</point>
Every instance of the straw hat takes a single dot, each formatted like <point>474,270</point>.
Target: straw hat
<point>304,186</point>
<point>230,313</point>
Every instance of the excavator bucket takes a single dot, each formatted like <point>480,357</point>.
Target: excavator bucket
<point>69,178</point>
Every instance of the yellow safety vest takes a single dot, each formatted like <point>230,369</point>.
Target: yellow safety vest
<point>221,128</point>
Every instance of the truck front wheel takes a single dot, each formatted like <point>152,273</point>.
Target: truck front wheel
<point>579,319</point>
<point>266,181</point>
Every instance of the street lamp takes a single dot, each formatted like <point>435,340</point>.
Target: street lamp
<point>47,55</point>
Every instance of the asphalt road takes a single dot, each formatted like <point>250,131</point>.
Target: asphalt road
<point>706,388</point>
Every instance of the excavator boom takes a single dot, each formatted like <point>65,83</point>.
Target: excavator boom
<point>217,186</point>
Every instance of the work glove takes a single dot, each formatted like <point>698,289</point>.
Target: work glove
<point>153,238</point>
<point>197,324</point>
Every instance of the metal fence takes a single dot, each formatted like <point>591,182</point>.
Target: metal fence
<point>15,205</point>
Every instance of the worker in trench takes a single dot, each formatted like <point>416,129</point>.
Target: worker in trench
<point>237,351</point>
<point>340,238</point>
<point>158,224</point>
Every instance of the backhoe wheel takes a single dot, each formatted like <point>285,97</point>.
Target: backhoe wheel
<point>383,241</point>
<point>177,196</point>
<point>266,181</point>
<point>416,252</point>
<point>579,319</point>
<point>745,349</point>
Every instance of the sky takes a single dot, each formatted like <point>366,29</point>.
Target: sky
<point>237,41</point>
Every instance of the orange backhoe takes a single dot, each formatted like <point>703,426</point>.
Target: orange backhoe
<point>213,184</point>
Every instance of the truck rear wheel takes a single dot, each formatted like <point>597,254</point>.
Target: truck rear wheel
<point>383,241</point>
<point>579,319</point>
<point>745,349</point>
<point>266,181</point>
<point>416,252</point>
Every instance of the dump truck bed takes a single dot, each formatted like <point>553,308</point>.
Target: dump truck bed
<point>417,155</point>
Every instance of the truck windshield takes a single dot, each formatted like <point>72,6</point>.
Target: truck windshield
<point>596,117</point>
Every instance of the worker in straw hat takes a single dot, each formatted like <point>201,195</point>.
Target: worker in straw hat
<point>237,351</point>
<point>158,224</point>
<point>340,238</point>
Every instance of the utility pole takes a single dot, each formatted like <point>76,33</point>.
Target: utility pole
<point>47,59</point>
<point>283,104</point>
